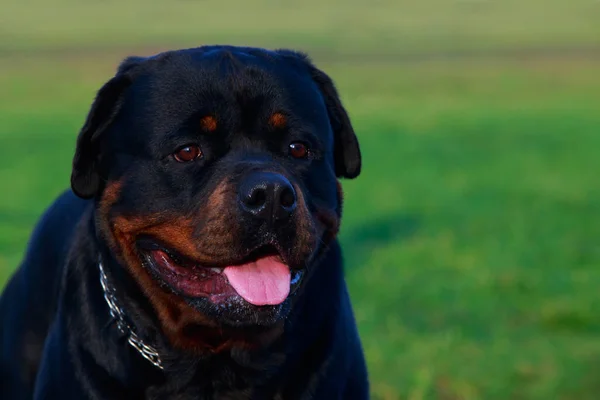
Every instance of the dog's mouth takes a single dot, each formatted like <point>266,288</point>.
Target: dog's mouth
<point>261,278</point>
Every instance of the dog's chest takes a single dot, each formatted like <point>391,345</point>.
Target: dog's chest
<point>225,379</point>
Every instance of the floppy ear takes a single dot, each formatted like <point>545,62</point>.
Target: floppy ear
<point>346,149</point>
<point>129,63</point>
<point>86,179</point>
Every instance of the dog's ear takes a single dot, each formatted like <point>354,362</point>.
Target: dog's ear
<point>347,157</point>
<point>346,149</point>
<point>86,179</point>
<point>129,63</point>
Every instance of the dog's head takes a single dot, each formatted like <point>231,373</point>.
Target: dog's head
<point>215,173</point>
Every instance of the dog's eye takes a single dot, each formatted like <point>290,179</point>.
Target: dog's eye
<point>188,153</point>
<point>298,150</point>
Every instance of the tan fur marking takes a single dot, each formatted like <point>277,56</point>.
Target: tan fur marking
<point>208,123</point>
<point>278,120</point>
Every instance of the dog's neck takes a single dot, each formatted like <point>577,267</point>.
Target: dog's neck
<point>147,351</point>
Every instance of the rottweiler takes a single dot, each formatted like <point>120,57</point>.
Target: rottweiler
<point>195,255</point>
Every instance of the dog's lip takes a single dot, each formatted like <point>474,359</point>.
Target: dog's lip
<point>201,280</point>
<point>150,245</point>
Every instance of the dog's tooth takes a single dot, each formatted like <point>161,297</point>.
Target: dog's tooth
<point>295,277</point>
<point>216,270</point>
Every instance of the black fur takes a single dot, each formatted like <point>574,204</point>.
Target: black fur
<point>57,339</point>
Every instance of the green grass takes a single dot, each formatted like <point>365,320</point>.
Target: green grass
<point>471,238</point>
<point>475,269</point>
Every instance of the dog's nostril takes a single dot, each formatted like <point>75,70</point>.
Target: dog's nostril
<point>268,196</point>
<point>256,198</point>
<point>288,197</point>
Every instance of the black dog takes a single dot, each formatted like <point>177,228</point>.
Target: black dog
<point>197,257</point>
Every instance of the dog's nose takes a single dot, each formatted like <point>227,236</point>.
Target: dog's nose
<point>267,195</point>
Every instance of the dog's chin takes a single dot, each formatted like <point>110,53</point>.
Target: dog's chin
<point>238,313</point>
<point>256,290</point>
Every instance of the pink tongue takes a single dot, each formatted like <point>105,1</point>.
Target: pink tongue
<point>265,281</point>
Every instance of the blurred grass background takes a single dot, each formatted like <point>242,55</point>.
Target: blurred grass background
<point>471,238</point>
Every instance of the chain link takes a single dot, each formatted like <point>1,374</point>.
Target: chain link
<point>148,352</point>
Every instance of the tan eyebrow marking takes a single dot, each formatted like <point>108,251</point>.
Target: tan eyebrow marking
<point>208,123</point>
<point>278,120</point>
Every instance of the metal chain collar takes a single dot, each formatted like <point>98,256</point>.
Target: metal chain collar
<point>148,352</point>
